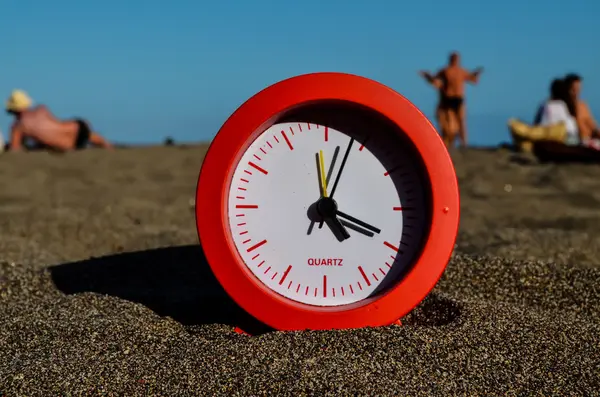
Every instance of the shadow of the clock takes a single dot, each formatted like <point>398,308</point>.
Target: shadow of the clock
<point>176,282</point>
<point>436,310</point>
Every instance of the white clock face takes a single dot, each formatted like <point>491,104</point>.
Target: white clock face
<point>284,188</point>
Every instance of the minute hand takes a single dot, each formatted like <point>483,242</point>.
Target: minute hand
<point>337,178</point>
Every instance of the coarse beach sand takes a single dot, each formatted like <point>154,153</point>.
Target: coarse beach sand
<point>104,290</point>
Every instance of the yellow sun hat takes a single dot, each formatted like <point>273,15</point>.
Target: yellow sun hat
<point>18,101</point>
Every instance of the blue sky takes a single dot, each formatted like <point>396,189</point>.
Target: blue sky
<point>142,70</point>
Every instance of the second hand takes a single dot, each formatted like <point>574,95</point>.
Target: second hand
<point>333,222</point>
<point>323,179</point>
<point>320,157</point>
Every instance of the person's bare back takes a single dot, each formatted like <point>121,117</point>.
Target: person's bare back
<point>453,80</point>
<point>40,125</point>
<point>586,123</point>
<point>587,118</point>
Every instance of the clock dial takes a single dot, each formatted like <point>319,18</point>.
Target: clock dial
<point>327,217</point>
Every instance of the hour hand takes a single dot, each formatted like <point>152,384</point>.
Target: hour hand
<point>338,229</point>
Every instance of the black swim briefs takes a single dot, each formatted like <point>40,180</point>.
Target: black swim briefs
<point>451,102</point>
<point>83,134</point>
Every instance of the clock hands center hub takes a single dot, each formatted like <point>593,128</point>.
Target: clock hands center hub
<point>327,207</point>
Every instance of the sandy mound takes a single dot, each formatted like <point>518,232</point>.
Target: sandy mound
<point>104,291</point>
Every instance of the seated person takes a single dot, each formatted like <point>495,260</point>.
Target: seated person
<point>555,111</point>
<point>552,122</point>
<point>40,125</point>
<point>580,110</point>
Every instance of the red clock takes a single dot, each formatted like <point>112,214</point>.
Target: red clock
<point>327,201</point>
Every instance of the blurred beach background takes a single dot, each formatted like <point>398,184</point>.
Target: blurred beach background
<point>144,70</point>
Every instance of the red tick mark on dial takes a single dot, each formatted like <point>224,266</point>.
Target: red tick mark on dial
<point>266,271</point>
<point>269,143</point>
<point>397,208</point>
<point>351,289</point>
<point>326,134</point>
<point>289,285</point>
<point>298,288</point>
<point>255,246</point>
<point>360,149</point>
<point>285,274</point>
<point>362,272</point>
<point>248,172</point>
<point>291,130</point>
<point>390,246</point>
<point>263,150</point>
<point>391,170</point>
<point>375,276</point>
<point>247,206</point>
<point>261,263</point>
<point>300,127</point>
<point>276,140</point>
<point>255,256</point>
<point>273,276</point>
<point>287,140</point>
<point>244,180</point>
<point>257,167</point>
<point>240,197</point>
<point>256,157</point>
<point>342,291</point>
<point>308,125</point>
<point>382,272</point>
<point>246,242</point>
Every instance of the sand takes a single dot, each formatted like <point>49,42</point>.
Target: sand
<point>104,290</point>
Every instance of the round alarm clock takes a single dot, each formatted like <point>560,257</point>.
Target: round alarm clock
<point>327,201</point>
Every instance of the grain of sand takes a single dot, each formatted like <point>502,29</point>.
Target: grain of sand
<point>103,290</point>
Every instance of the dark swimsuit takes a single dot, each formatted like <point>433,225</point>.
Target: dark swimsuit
<point>83,134</point>
<point>451,102</point>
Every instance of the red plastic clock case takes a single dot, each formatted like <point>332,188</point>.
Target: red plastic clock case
<point>260,112</point>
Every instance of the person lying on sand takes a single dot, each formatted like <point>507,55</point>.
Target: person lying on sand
<point>451,111</point>
<point>588,128</point>
<point>41,126</point>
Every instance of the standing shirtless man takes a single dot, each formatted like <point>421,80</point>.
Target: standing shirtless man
<point>40,125</point>
<point>451,110</point>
